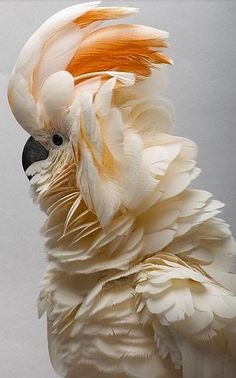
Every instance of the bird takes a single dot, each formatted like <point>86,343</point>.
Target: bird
<point>140,278</point>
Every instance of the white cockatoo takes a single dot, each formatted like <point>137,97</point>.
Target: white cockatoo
<point>141,277</point>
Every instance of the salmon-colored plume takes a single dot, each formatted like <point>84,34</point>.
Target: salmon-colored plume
<point>130,48</point>
<point>103,14</point>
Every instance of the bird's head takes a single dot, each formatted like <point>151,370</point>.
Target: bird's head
<point>79,91</point>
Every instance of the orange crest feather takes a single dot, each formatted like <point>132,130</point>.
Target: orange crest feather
<point>129,48</point>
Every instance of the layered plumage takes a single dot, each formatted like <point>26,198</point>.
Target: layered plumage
<point>141,272</point>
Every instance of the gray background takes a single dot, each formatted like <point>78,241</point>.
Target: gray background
<point>203,89</point>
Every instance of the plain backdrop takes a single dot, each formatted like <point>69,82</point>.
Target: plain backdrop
<point>203,89</point>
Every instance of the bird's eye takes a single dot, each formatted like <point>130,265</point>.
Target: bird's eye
<point>57,140</point>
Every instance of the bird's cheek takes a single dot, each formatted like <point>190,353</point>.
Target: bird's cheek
<point>33,152</point>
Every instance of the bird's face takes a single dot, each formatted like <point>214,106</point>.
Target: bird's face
<point>46,158</point>
<point>47,150</point>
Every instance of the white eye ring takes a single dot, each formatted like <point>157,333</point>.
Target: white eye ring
<point>57,140</point>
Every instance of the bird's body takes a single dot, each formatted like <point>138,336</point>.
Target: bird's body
<point>141,273</point>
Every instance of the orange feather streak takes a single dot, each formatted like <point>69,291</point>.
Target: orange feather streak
<point>130,48</point>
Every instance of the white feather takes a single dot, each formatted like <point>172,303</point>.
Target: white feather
<point>151,118</point>
<point>90,125</point>
<point>113,134</point>
<point>100,194</point>
<point>66,15</point>
<point>158,158</point>
<point>57,92</point>
<point>57,55</point>
<point>24,107</point>
<point>103,98</point>
<point>126,78</point>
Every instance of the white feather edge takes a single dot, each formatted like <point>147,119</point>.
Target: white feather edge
<point>100,194</point>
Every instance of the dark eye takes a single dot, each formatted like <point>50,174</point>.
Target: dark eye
<point>57,140</point>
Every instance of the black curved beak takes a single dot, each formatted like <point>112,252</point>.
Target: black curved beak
<point>33,151</point>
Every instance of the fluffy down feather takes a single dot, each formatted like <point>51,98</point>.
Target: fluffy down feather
<point>141,273</point>
<point>194,308</point>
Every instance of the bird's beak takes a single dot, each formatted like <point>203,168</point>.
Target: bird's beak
<point>33,151</point>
